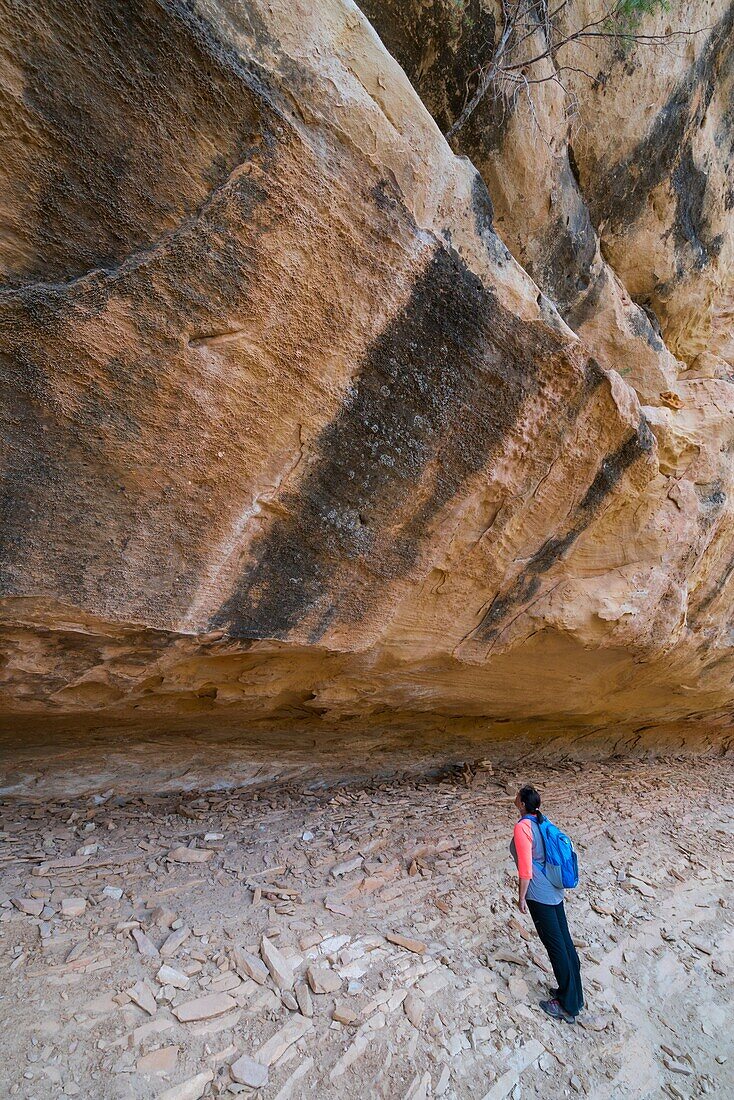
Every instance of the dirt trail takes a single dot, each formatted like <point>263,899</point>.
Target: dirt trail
<point>192,880</point>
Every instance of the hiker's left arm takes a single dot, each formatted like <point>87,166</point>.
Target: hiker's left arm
<point>523,837</point>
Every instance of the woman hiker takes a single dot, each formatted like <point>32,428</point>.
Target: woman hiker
<point>545,903</point>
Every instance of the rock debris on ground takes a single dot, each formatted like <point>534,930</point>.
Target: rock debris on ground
<point>286,940</point>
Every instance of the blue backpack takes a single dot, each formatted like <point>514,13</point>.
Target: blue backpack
<point>561,864</point>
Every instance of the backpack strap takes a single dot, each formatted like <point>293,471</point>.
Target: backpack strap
<point>534,821</point>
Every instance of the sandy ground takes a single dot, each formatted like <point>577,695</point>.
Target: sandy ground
<point>172,872</point>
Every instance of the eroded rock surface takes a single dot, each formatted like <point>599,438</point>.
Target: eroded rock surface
<point>287,428</point>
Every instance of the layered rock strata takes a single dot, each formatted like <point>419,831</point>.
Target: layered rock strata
<point>287,428</point>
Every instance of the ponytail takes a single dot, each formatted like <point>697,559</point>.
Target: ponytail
<point>530,799</point>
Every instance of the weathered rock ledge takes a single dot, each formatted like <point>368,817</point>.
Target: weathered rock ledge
<point>287,430</point>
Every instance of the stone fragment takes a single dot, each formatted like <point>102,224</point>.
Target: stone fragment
<point>519,990</point>
<point>414,1008</point>
<point>593,1021</point>
<point>332,944</point>
<point>344,1013</point>
<point>303,997</point>
<point>504,955</point>
<point>419,1087</point>
<point>404,941</point>
<point>225,983</point>
<point>350,1056</point>
<point>143,996</point>
<point>112,892</point>
<point>434,982</point>
<point>275,1047</point>
<point>323,980</point>
<point>246,1071</point>
<point>480,1035</point>
<point>677,1067</point>
<point>153,1027</point>
<point>190,855</point>
<point>158,1061</point>
<point>249,966</point>
<point>341,869</point>
<point>193,1089</point>
<point>288,1089</point>
<point>73,907</point>
<point>214,1026</point>
<point>396,999</point>
<point>167,975</point>
<point>162,917</point>
<point>521,1060</point>
<point>338,906</point>
<point>443,1081</point>
<point>204,1008</point>
<point>280,970</point>
<point>144,943</point>
<point>172,943</point>
<point>32,907</point>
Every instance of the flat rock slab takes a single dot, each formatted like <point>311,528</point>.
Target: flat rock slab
<point>519,1062</point>
<point>323,980</point>
<point>158,1061</point>
<point>174,941</point>
<point>144,944</point>
<point>73,907</point>
<point>192,1089</point>
<point>204,1008</point>
<point>249,966</point>
<point>276,1047</point>
<point>246,1071</point>
<point>32,907</point>
<point>404,941</point>
<point>303,999</point>
<point>167,975</point>
<point>143,997</point>
<point>280,970</point>
<point>190,855</point>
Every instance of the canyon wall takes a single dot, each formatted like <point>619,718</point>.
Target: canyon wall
<point>307,414</point>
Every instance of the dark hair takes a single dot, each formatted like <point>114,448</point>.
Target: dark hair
<point>530,799</point>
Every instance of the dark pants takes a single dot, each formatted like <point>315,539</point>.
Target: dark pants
<point>552,927</point>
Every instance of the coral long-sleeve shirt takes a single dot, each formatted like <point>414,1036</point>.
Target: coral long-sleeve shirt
<point>523,837</point>
<point>526,843</point>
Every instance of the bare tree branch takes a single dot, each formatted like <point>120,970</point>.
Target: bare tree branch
<point>507,74</point>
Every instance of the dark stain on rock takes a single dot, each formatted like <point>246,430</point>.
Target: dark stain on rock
<point>63,442</point>
<point>691,224</point>
<point>483,211</point>
<point>568,246</point>
<point>584,307</point>
<point>528,583</point>
<point>644,323</point>
<point>436,397</point>
<point>142,111</point>
<point>442,45</point>
<point>712,500</point>
<point>482,206</point>
<point>619,195</point>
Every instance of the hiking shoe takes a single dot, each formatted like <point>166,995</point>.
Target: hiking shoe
<point>555,994</point>
<point>555,1009</point>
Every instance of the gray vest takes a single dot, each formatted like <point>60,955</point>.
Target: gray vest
<point>539,888</point>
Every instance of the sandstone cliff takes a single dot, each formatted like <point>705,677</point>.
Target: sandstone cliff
<point>306,413</point>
